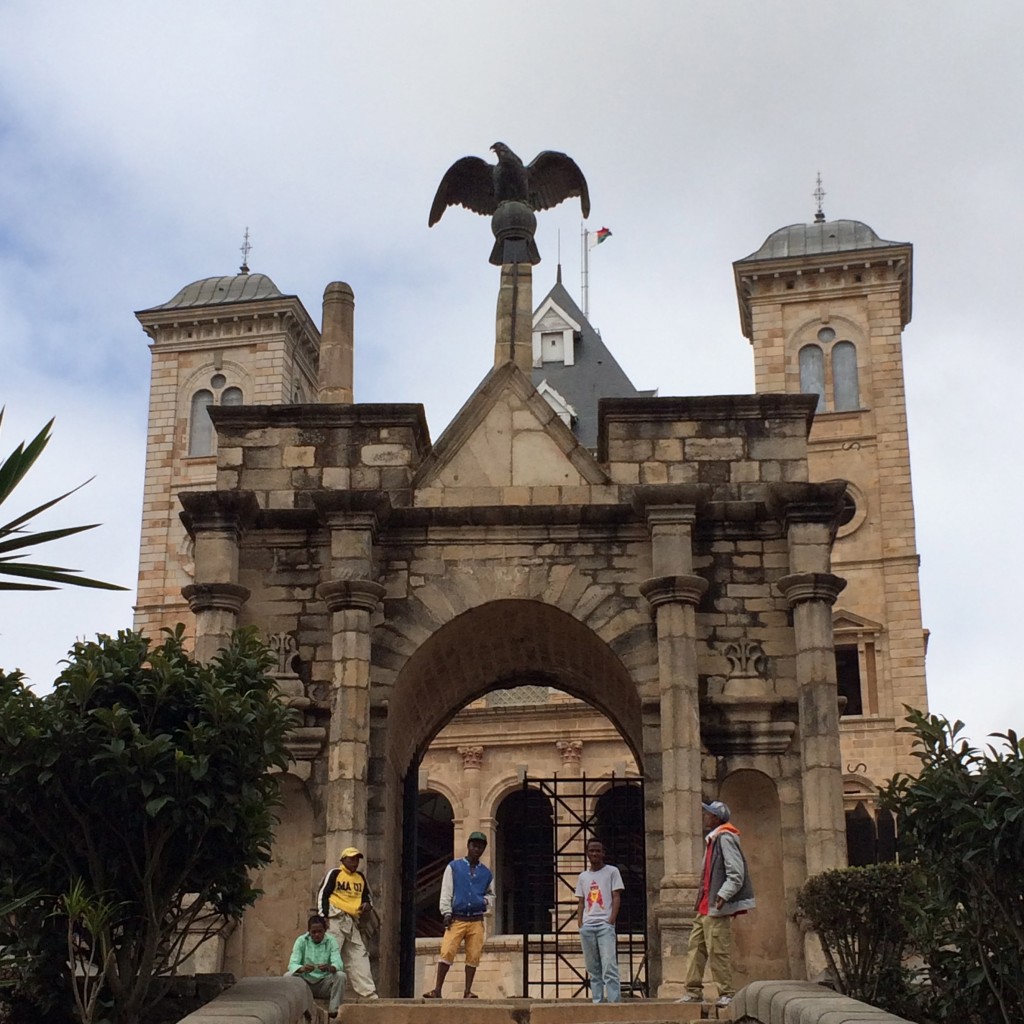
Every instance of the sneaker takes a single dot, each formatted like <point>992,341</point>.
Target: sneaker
<point>690,998</point>
<point>723,1001</point>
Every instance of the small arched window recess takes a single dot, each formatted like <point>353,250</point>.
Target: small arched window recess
<point>812,374</point>
<point>231,396</point>
<point>845,385</point>
<point>200,434</point>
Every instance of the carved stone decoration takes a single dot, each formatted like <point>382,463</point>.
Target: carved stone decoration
<point>747,660</point>
<point>286,647</point>
<point>204,597</point>
<point>571,751</point>
<point>472,758</point>
<point>290,686</point>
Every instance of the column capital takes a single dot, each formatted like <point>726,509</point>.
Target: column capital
<point>472,757</point>
<point>801,587</point>
<point>360,594</point>
<point>571,751</point>
<point>204,597</point>
<point>661,590</point>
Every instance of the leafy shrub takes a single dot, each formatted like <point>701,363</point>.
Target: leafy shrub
<point>859,915</point>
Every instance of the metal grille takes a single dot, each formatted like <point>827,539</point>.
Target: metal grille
<point>610,809</point>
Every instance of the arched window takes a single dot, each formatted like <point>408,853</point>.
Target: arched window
<point>525,873</point>
<point>200,432</point>
<point>231,396</point>
<point>812,374</point>
<point>845,387</point>
<point>434,850</point>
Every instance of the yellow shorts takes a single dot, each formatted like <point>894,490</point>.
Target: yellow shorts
<point>473,934</point>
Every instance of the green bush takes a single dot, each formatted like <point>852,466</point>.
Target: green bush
<point>137,798</point>
<point>961,824</point>
<point>860,917</point>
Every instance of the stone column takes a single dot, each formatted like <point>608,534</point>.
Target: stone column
<point>811,596</point>
<point>216,521</point>
<point>673,594</point>
<point>513,338</point>
<point>351,596</point>
<point>472,763</point>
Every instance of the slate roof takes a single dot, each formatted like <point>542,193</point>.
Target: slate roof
<point>595,373</point>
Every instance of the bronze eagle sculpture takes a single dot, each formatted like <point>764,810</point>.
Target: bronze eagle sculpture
<point>510,191</point>
<point>481,187</point>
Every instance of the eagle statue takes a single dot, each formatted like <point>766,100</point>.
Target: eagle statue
<point>510,192</point>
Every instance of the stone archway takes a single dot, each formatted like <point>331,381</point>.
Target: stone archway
<point>499,644</point>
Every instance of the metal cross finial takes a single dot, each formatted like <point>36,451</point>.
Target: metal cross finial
<point>245,249</point>
<point>819,193</point>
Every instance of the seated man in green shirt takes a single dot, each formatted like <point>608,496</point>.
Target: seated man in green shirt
<point>316,959</point>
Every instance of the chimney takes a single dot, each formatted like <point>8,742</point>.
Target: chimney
<point>336,344</point>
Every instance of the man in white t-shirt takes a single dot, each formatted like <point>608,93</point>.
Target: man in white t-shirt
<point>600,892</point>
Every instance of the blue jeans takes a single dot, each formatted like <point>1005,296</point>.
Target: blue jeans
<point>600,954</point>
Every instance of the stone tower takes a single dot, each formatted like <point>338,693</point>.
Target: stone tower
<point>824,306</point>
<point>220,341</point>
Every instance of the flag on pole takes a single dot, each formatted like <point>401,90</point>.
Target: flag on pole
<point>597,237</point>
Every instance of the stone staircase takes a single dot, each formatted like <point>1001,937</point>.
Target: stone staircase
<point>526,1011</point>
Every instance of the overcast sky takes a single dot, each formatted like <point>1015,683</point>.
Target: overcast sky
<point>138,141</point>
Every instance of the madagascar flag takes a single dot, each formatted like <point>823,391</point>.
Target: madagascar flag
<point>597,237</point>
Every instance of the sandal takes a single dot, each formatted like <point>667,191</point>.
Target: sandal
<point>432,994</point>
<point>470,995</point>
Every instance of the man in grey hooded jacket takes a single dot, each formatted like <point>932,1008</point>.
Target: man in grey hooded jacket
<point>725,891</point>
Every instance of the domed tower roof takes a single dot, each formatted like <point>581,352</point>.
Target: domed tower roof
<point>817,239</point>
<point>220,291</point>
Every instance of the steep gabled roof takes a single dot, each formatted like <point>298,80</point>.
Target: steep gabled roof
<point>594,373</point>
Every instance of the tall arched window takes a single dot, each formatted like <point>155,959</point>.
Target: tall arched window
<point>845,387</point>
<point>200,431</point>
<point>812,374</point>
<point>619,824</point>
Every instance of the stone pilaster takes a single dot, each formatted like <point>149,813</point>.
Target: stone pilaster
<point>571,752</point>
<point>472,763</point>
<point>673,594</point>
<point>810,514</point>
<point>216,521</point>
<point>351,596</point>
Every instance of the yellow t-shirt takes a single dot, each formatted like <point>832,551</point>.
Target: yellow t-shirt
<point>348,891</point>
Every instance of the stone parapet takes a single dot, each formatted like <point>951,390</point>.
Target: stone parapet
<point>803,1002</point>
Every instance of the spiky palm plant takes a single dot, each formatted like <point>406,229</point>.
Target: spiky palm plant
<point>15,536</point>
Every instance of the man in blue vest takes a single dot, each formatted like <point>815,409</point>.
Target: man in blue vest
<point>467,893</point>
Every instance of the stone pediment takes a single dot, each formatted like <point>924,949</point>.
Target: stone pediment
<point>507,435</point>
<point>844,621</point>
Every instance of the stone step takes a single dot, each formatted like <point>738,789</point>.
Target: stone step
<point>525,1011</point>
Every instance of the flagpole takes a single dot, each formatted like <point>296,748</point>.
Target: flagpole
<point>585,271</point>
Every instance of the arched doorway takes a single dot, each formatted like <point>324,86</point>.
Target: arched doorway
<point>500,645</point>
<point>524,858</point>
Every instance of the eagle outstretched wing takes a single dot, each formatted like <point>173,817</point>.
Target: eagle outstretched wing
<point>555,177</point>
<point>469,182</point>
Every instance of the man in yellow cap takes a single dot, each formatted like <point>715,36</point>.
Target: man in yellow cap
<point>344,897</point>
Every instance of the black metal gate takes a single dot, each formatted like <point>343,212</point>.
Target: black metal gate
<point>609,809</point>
